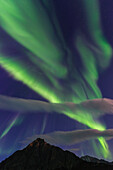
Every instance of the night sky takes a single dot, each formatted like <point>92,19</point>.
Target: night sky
<point>55,51</point>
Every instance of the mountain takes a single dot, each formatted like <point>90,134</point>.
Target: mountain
<point>95,160</point>
<point>40,155</point>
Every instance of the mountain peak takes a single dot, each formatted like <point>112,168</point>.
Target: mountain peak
<point>37,143</point>
<point>40,155</point>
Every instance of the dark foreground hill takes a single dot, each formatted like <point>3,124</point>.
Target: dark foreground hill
<point>39,155</point>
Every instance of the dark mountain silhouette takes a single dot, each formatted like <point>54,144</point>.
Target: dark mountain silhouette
<point>95,160</point>
<point>40,155</point>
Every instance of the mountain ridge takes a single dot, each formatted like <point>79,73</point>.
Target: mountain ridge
<point>40,155</point>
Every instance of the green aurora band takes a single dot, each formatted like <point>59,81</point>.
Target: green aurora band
<point>49,58</point>
<point>9,127</point>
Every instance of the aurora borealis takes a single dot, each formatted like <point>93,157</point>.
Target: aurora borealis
<point>52,63</point>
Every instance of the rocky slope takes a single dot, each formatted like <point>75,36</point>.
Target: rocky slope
<point>39,155</point>
<point>95,160</point>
